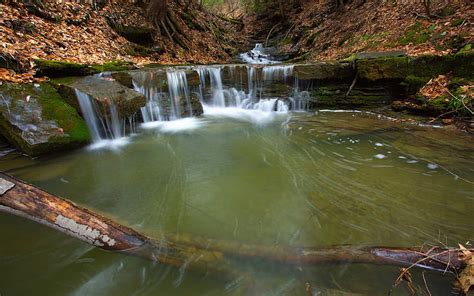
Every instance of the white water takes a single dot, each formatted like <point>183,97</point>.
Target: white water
<point>257,56</point>
<point>242,92</point>
<point>106,131</point>
<point>174,126</point>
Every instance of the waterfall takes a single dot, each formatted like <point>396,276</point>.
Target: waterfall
<point>257,56</point>
<point>164,104</point>
<point>272,73</point>
<point>90,115</point>
<point>101,127</point>
<point>268,88</point>
<point>179,93</point>
<point>218,98</point>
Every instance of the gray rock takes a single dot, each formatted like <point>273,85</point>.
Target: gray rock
<point>104,92</point>
<point>36,120</point>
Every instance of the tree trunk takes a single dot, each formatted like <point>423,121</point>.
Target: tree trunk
<point>199,254</point>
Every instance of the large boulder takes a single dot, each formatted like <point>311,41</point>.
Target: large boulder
<point>400,67</point>
<point>36,120</point>
<point>104,93</point>
<point>324,71</point>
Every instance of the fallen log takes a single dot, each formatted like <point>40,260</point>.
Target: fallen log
<point>199,254</point>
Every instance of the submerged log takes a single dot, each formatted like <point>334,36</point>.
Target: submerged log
<point>199,254</point>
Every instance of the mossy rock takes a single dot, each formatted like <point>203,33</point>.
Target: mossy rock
<point>461,65</point>
<point>55,69</point>
<point>399,68</point>
<point>196,106</point>
<point>61,69</point>
<point>104,93</point>
<point>383,68</point>
<point>113,66</point>
<point>123,78</point>
<point>362,96</point>
<point>324,71</point>
<point>36,120</point>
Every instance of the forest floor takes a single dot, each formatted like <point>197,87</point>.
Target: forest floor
<point>76,33</point>
<point>323,32</point>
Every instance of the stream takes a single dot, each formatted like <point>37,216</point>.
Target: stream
<point>256,168</point>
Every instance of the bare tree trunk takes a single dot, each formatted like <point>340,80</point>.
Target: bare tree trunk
<point>199,254</point>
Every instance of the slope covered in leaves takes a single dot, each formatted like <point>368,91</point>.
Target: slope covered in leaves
<point>78,33</point>
<point>317,30</point>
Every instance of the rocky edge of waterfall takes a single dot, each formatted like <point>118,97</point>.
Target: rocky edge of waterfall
<point>45,117</point>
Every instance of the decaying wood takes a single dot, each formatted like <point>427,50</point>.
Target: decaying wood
<point>205,255</point>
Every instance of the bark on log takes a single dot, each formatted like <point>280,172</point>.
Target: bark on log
<point>199,254</point>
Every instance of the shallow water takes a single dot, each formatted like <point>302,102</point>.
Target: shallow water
<point>295,179</point>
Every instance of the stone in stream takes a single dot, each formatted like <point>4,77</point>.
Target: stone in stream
<point>123,78</point>
<point>104,93</point>
<point>36,120</point>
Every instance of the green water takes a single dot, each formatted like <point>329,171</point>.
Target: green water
<point>300,180</point>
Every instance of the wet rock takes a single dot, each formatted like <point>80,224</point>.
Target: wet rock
<point>104,93</point>
<point>362,96</point>
<point>36,120</point>
<point>193,109</point>
<point>123,78</point>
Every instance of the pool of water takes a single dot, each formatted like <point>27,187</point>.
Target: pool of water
<point>289,179</point>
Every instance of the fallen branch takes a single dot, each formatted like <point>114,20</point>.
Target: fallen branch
<point>199,254</point>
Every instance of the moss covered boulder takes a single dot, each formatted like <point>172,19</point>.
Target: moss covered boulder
<point>324,71</point>
<point>104,93</point>
<point>401,67</point>
<point>54,69</point>
<point>36,120</point>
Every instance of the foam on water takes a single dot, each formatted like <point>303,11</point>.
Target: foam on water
<point>174,126</point>
<point>255,116</point>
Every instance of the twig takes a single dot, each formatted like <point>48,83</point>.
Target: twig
<point>352,85</point>
<point>456,98</point>
<point>269,33</point>
<point>426,285</point>
<point>289,30</point>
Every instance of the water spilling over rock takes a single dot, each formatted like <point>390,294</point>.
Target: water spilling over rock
<point>257,55</point>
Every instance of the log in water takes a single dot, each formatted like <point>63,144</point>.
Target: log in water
<point>199,254</point>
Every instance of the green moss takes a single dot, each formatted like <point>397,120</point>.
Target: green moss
<point>349,59</point>
<point>466,48</point>
<point>59,69</point>
<point>415,35</point>
<point>55,108</point>
<point>383,68</point>
<point>56,69</point>
<point>457,22</point>
<point>414,83</point>
<point>112,66</point>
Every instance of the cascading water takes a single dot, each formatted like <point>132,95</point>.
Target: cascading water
<point>257,56</point>
<point>90,115</point>
<point>102,127</point>
<point>220,89</point>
